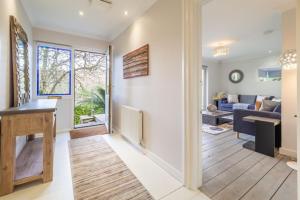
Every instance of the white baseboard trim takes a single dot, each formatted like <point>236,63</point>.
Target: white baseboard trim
<point>156,159</point>
<point>288,152</point>
<point>116,130</point>
<point>63,131</point>
<point>164,165</point>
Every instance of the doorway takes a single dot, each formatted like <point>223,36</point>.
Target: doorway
<point>89,88</point>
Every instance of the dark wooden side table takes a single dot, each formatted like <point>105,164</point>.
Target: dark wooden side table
<point>268,134</point>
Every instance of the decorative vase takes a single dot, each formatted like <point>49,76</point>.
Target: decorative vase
<point>212,108</point>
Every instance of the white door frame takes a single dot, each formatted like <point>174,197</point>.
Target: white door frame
<point>298,92</point>
<point>192,93</point>
<point>192,69</point>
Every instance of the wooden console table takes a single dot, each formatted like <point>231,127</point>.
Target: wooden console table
<point>35,161</point>
<point>268,134</point>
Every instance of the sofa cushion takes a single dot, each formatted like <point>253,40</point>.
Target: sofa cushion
<point>268,105</point>
<point>249,99</point>
<point>227,105</point>
<point>251,107</point>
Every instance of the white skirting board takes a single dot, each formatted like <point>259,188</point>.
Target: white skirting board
<point>63,131</point>
<point>288,152</point>
<point>156,159</point>
<point>165,166</point>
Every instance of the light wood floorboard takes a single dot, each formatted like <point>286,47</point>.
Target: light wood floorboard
<point>269,184</point>
<point>288,189</point>
<point>225,164</point>
<point>232,172</point>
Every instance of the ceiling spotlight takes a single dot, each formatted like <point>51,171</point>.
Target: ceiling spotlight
<point>126,13</point>
<point>81,13</point>
<point>270,51</point>
<point>221,51</point>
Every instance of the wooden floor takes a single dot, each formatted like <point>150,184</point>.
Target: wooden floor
<point>232,172</point>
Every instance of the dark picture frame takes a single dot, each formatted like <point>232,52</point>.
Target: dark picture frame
<point>236,76</point>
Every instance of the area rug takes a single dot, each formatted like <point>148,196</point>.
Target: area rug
<point>216,130</point>
<point>86,132</point>
<point>99,174</point>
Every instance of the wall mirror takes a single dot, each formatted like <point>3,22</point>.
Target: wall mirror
<point>236,76</point>
<point>20,90</point>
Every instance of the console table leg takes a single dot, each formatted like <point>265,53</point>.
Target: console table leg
<point>48,148</point>
<point>8,148</point>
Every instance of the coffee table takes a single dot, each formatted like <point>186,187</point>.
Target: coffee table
<point>213,118</point>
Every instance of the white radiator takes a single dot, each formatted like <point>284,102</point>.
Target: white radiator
<point>132,125</point>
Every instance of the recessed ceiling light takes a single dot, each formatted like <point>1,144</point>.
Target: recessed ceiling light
<point>126,13</point>
<point>221,43</point>
<point>270,51</point>
<point>81,13</point>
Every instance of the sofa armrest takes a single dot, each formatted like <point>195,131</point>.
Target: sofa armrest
<point>222,101</point>
<point>240,113</point>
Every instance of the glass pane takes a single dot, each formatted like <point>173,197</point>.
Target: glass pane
<point>54,71</point>
<point>90,79</point>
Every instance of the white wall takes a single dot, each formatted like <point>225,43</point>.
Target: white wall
<point>289,88</point>
<point>65,105</point>
<point>298,92</point>
<point>159,95</point>
<point>7,8</point>
<point>250,84</point>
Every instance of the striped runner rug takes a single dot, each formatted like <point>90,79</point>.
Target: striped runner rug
<point>99,174</point>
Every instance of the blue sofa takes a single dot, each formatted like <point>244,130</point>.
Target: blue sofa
<point>248,99</point>
<point>241,126</point>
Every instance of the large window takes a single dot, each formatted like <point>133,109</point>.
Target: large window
<point>53,70</point>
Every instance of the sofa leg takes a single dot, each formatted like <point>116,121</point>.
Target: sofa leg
<point>237,135</point>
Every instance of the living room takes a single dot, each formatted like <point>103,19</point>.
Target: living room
<point>249,100</point>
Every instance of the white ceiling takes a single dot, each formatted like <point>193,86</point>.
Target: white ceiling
<point>243,22</point>
<point>100,20</point>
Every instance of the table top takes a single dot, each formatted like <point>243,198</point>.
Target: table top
<point>35,106</point>
<point>218,113</point>
<point>263,119</point>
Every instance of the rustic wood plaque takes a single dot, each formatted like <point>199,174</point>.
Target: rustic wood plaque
<point>136,63</point>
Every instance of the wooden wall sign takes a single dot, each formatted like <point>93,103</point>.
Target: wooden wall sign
<point>136,63</point>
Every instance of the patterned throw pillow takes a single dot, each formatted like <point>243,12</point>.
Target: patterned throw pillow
<point>258,105</point>
<point>268,105</point>
<point>233,98</point>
